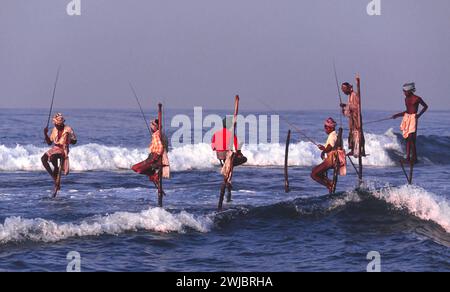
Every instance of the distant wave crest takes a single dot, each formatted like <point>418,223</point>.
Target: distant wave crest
<point>91,157</point>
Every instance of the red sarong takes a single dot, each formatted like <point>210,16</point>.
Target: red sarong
<point>148,167</point>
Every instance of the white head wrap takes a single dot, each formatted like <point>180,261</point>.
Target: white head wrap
<point>58,119</point>
<point>409,87</point>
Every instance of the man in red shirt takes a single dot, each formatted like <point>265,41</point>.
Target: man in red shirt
<point>223,142</point>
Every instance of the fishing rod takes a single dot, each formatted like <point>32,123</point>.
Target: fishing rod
<point>337,86</point>
<point>290,124</point>
<point>353,164</point>
<point>140,107</point>
<point>379,121</point>
<point>53,96</point>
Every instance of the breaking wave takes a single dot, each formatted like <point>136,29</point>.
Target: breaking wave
<point>410,204</point>
<point>407,200</point>
<point>92,157</point>
<point>17,229</point>
<point>419,203</point>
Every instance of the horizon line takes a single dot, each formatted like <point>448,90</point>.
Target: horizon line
<point>206,108</point>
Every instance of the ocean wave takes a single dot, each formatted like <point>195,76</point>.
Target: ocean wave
<point>411,200</point>
<point>320,206</point>
<point>17,229</point>
<point>95,157</point>
<point>408,200</point>
<point>418,202</point>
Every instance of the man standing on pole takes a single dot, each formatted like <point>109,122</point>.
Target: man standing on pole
<point>352,110</point>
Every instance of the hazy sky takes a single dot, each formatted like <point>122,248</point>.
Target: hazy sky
<point>203,52</point>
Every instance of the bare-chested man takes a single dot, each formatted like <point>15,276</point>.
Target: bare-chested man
<point>410,118</point>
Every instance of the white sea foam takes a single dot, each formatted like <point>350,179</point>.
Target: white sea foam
<point>17,229</point>
<point>348,197</point>
<point>200,156</point>
<point>418,202</point>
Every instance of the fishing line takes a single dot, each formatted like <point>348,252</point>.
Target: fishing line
<point>140,107</point>
<point>378,121</point>
<point>339,91</point>
<point>290,124</point>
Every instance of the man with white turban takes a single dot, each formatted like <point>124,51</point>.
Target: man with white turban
<point>61,136</point>
<point>410,119</point>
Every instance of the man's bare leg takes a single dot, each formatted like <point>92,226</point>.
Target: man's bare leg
<point>318,174</point>
<point>409,145</point>
<point>413,148</point>
<point>153,176</point>
<point>54,162</point>
<point>44,160</point>
<point>351,147</point>
<point>57,169</point>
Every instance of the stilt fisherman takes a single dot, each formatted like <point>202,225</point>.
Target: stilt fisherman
<point>61,136</point>
<point>157,163</point>
<point>222,143</point>
<point>410,120</point>
<point>333,157</point>
<point>352,110</point>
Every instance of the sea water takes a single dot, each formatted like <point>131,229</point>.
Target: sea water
<point>109,214</point>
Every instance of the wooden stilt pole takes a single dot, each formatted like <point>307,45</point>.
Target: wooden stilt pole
<point>286,163</point>
<point>160,170</point>
<point>361,133</point>
<point>228,176</point>
<point>58,177</point>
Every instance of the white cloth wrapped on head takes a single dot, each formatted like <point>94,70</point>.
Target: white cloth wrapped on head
<point>409,87</point>
<point>58,119</point>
